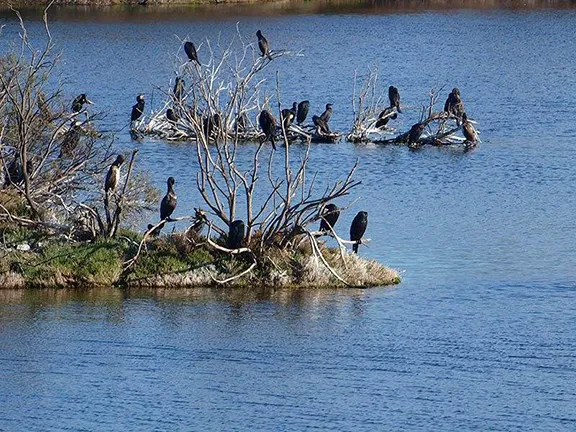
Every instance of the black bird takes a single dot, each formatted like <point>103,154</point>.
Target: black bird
<point>321,125</point>
<point>236,234</point>
<point>79,102</point>
<point>394,96</point>
<point>416,132</point>
<point>179,88</point>
<point>71,139</point>
<point>154,233</point>
<point>288,115</point>
<point>212,124</point>
<point>138,108</point>
<point>329,216</point>
<point>14,173</point>
<point>385,117</point>
<point>263,45</point>
<point>268,125</point>
<point>358,228</point>
<point>302,111</point>
<point>113,175</point>
<point>453,104</point>
<point>171,116</point>
<point>190,51</point>
<point>168,204</point>
<point>325,116</point>
<point>469,132</point>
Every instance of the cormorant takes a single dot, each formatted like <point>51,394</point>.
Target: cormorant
<point>288,115</point>
<point>179,89</point>
<point>168,204</point>
<point>263,45</point>
<point>415,132</point>
<point>394,96</point>
<point>190,51</point>
<point>469,132</point>
<point>358,228</point>
<point>71,139</point>
<point>211,125</point>
<point>236,234</point>
<point>329,216</point>
<point>325,116</point>
<point>154,233</point>
<point>268,125</point>
<point>302,111</point>
<point>138,108</point>
<point>171,116</point>
<point>113,175</point>
<point>321,125</point>
<point>79,102</point>
<point>385,117</point>
<point>14,173</point>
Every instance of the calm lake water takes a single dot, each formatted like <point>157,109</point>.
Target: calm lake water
<point>480,335</point>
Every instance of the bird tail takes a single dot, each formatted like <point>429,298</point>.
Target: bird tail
<point>355,248</point>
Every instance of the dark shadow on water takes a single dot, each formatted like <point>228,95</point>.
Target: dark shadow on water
<point>201,12</point>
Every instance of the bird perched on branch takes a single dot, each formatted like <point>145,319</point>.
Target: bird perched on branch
<point>394,96</point>
<point>137,108</point>
<point>179,89</point>
<point>321,125</point>
<point>302,111</point>
<point>468,129</point>
<point>71,139</point>
<point>325,116</point>
<point>385,117</point>
<point>329,217</point>
<point>113,175</point>
<point>79,102</point>
<point>358,228</point>
<point>268,125</point>
<point>263,45</point>
<point>288,115</point>
<point>236,234</point>
<point>190,51</point>
<point>171,116</point>
<point>416,132</point>
<point>167,206</point>
<point>453,104</point>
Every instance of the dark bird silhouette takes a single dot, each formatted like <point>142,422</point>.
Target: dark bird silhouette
<point>302,111</point>
<point>416,132</point>
<point>236,234</point>
<point>71,139</point>
<point>394,96</point>
<point>113,175</point>
<point>263,45</point>
<point>137,108</point>
<point>168,204</point>
<point>385,117</point>
<point>154,233</point>
<point>179,88</point>
<point>268,125</point>
<point>358,228</point>
<point>14,173</point>
<point>288,115</point>
<point>325,116</point>
<point>330,215</point>
<point>321,125</point>
<point>171,116</point>
<point>468,129</point>
<point>453,104</point>
<point>212,124</point>
<point>79,102</point>
<point>190,51</point>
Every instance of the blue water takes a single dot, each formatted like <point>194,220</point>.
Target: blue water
<point>480,334</point>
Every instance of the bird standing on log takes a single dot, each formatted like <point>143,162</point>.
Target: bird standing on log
<point>171,116</point>
<point>385,117</point>
<point>416,132</point>
<point>302,111</point>
<point>137,108</point>
<point>79,102</point>
<point>325,116</point>
<point>268,125</point>
<point>263,45</point>
<point>190,51</point>
<point>321,126</point>
<point>453,105</point>
<point>358,228</point>
<point>394,96</point>
<point>329,217</point>
<point>288,115</point>
<point>468,129</point>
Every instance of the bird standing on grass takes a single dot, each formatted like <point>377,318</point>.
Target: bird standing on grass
<point>329,217</point>
<point>268,125</point>
<point>263,45</point>
<point>79,101</point>
<point>137,108</point>
<point>190,51</point>
<point>358,228</point>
